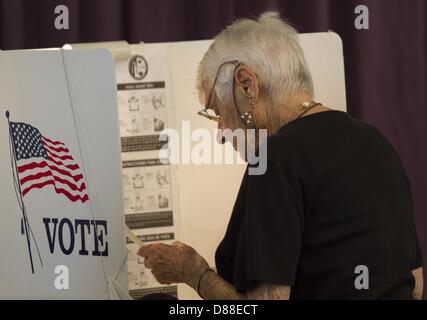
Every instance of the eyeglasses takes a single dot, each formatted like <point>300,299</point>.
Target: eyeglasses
<point>207,112</point>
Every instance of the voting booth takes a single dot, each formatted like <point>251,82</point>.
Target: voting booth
<point>61,235</point>
<point>81,156</point>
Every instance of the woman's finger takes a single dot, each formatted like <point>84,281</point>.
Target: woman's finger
<point>148,264</point>
<point>145,250</point>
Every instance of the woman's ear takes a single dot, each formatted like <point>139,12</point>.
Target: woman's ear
<point>247,81</point>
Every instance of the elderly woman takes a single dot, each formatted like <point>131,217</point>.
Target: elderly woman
<point>330,218</point>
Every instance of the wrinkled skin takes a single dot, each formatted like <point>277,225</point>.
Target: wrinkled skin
<point>175,263</point>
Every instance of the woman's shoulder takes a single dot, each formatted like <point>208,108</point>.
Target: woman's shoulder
<point>320,134</point>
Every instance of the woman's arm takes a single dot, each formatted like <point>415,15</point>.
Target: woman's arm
<point>419,283</point>
<point>179,263</point>
<point>213,287</point>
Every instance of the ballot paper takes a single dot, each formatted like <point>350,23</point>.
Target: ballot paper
<point>133,237</point>
<point>141,280</point>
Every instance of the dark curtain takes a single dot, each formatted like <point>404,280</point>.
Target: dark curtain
<point>386,70</point>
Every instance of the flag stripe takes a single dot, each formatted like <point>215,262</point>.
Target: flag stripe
<point>67,157</point>
<point>58,143</point>
<point>40,185</point>
<point>55,150</point>
<point>48,173</point>
<point>43,164</point>
<point>60,163</point>
<point>58,185</point>
<point>60,149</point>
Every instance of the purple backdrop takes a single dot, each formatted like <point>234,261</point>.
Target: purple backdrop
<point>386,70</point>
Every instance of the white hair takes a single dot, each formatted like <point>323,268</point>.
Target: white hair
<point>269,46</point>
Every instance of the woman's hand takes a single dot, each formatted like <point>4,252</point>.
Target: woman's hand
<point>176,263</point>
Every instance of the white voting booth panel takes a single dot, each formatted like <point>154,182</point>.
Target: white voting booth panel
<point>67,152</point>
<point>207,192</point>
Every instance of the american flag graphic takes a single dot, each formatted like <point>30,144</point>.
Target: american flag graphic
<point>42,162</point>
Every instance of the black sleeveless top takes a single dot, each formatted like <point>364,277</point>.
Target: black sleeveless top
<point>334,200</point>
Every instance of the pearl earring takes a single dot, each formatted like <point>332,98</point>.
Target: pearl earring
<point>250,99</point>
<point>247,118</point>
